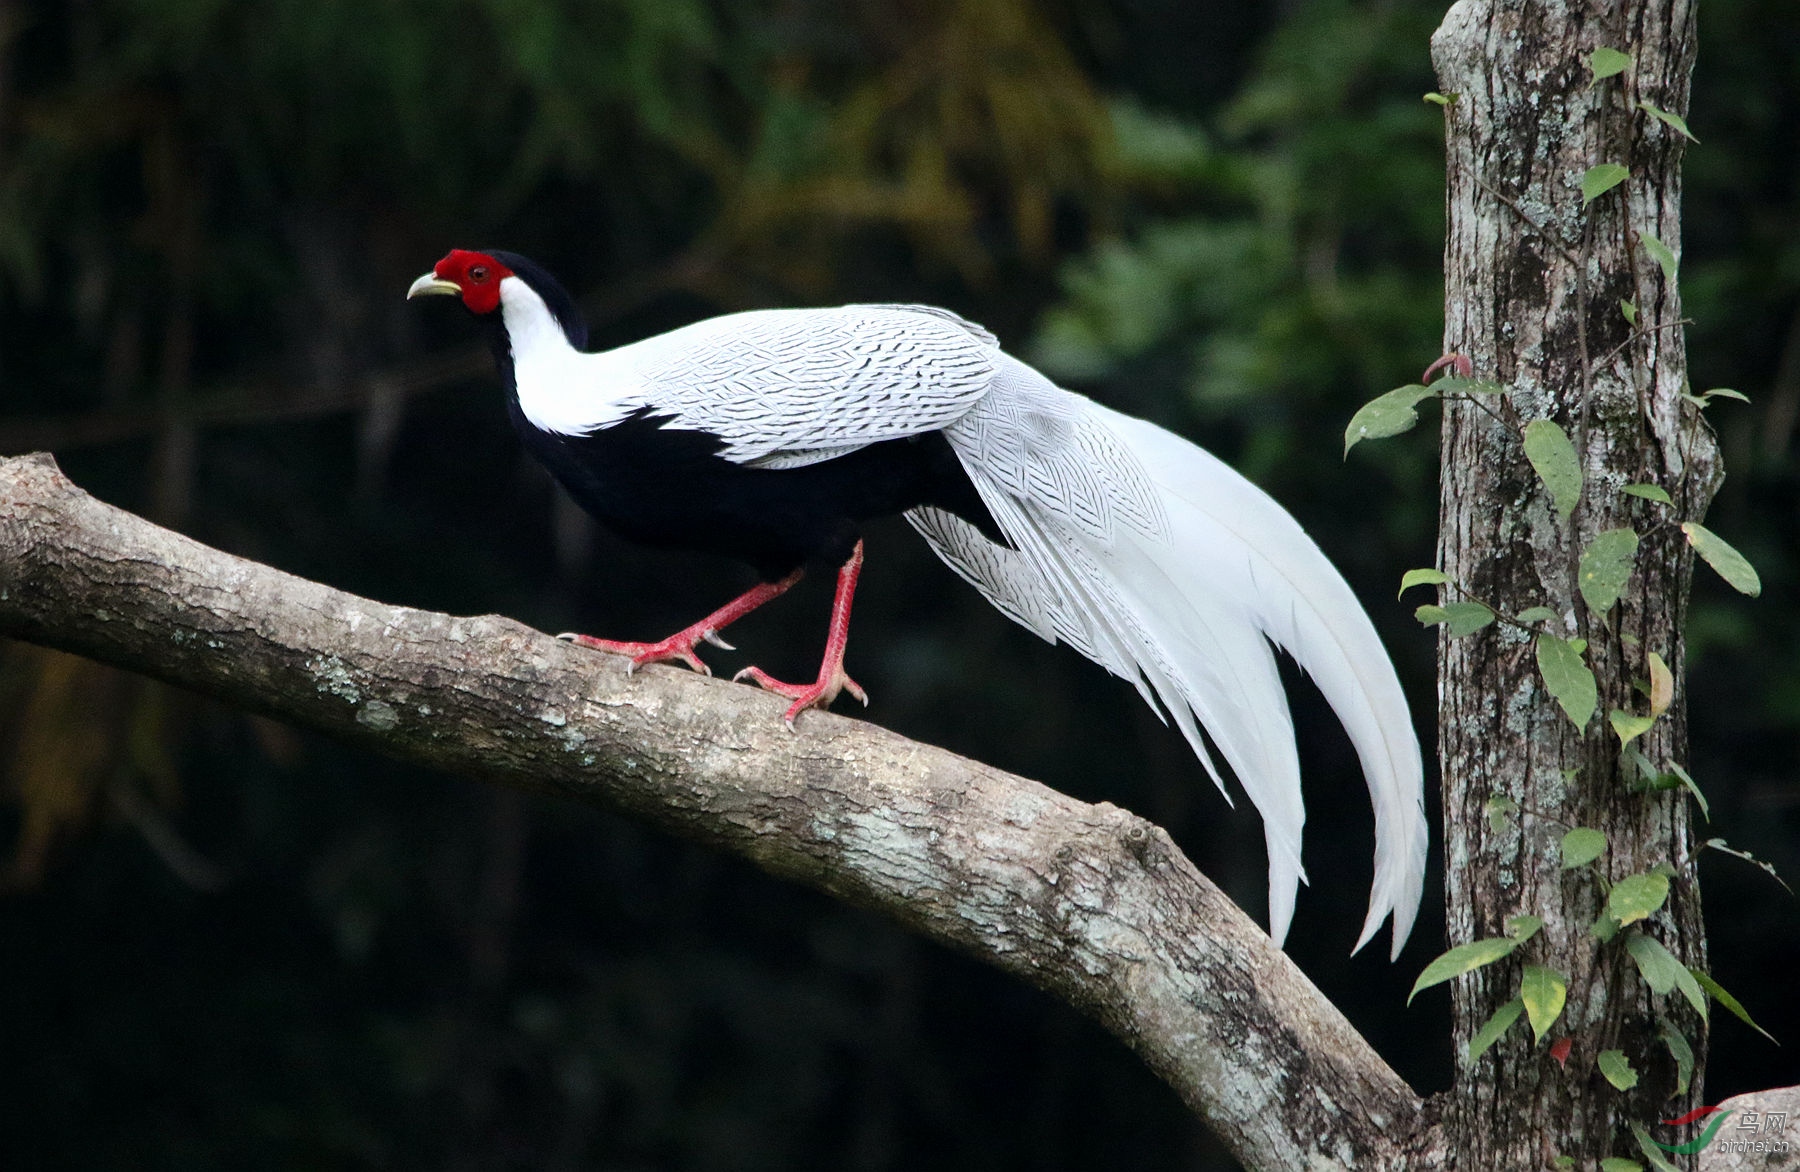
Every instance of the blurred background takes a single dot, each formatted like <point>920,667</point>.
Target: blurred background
<point>226,944</point>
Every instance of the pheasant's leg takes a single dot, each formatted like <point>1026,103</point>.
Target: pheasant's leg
<point>680,645</point>
<point>832,679</point>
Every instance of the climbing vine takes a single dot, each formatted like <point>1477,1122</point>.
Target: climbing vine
<point>1562,632</point>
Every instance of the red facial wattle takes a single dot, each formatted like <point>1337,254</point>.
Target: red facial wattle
<point>477,275</point>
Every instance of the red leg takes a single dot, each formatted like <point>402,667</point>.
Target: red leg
<point>680,645</point>
<point>832,678</point>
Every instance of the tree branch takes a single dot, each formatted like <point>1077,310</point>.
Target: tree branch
<point>1090,903</point>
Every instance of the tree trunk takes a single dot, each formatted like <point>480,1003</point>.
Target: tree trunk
<point>1534,285</point>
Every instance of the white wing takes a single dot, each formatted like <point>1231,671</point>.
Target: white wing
<point>788,387</point>
<point>1162,564</point>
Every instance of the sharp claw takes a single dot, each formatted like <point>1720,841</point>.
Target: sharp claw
<point>738,678</point>
<point>712,636</point>
<point>679,646</point>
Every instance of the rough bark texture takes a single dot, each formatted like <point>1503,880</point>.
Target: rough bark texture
<point>1534,285</point>
<point>1091,903</point>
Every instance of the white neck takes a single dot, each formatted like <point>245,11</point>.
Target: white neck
<point>560,389</point>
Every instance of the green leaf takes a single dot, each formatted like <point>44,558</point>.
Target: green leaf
<point>1536,614</point>
<point>1422,578</point>
<point>1599,179</point>
<point>1655,963</point>
<point>1567,677</point>
<point>1690,988</point>
<point>1681,1052</point>
<point>1674,121</point>
<point>1438,99</point>
<point>1653,780</point>
<point>1705,398</point>
<point>1523,928</point>
<point>1636,897</point>
<point>1464,958</point>
<point>1465,618</point>
<point>1649,492</point>
<point>1660,253</point>
<point>1544,991</point>
<point>1606,567</point>
<point>1629,727</point>
<point>1499,812</point>
<point>1628,308</point>
<point>1607,62</point>
<point>1730,564</point>
<point>1650,779</point>
<point>1457,385</point>
<point>1489,1033</point>
<point>1548,448</point>
<point>1582,846</point>
<point>1390,414</point>
<point>1461,618</point>
<point>1620,1164</point>
<point>1658,1161</point>
<point>1693,787</point>
<point>1730,1003</point>
<point>1604,928</point>
<point>1617,1069</point>
<point>1718,844</point>
<point>1662,972</point>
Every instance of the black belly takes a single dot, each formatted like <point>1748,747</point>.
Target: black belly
<point>671,488</point>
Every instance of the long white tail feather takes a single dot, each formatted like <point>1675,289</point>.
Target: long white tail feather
<point>1203,657</point>
<point>1304,605</point>
<point>1162,564</point>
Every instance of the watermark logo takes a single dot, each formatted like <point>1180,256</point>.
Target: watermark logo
<point>1720,1115</point>
<point>1749,1134</point>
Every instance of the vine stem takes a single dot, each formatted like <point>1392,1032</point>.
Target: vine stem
<point>1510,425</point>
<point>1509,620</point>
<point>1549,236</point>
<point>1641,334</point>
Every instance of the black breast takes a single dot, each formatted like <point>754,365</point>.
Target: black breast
<point>667,487</point>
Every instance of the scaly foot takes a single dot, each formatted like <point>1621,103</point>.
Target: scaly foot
<point>818,694</point>
<point>680,646</point>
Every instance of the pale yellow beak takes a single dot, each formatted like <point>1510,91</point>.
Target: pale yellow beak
<point>432,283</point>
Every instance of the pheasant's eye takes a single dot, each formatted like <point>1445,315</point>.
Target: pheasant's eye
<point>478,273</point>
